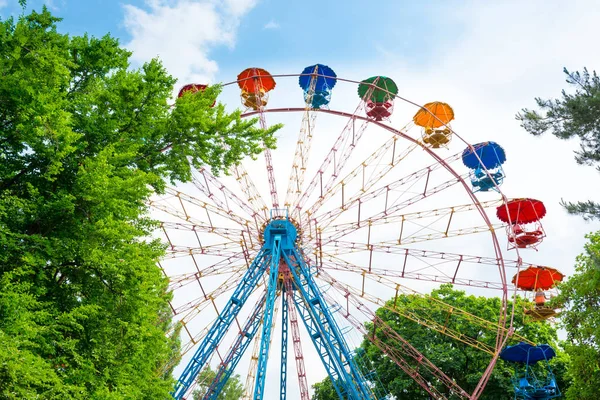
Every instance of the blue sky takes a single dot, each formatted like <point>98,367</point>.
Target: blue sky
<point>298,31</point>
<point>487,59</point>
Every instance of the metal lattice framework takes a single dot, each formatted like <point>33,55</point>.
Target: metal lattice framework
<point>373,220</point>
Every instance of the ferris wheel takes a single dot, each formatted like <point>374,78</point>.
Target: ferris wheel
<point>370,210</point>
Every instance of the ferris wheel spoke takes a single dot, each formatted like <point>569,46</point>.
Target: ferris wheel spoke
<point>181,280</point>
<point>208,184</point>
<point>392,352</point>
<point>403,186</point>
<point>194,224</point>
<point>234,237</point>
<point>430,305</point>
<point>225,213</point>
<point>233,234</point>
<point>250,191</point>
<point>383,215</point>
<point>423,265</point>
<point>335,160</point>
<point>237,348</point>
<point>443,218</point>
<point>369,172</point>
<point>227,249</point>
<point>300,162</point>
<point>409,239</point>
<point>269,165</point>
<point>406,270</point>
<point>226,266</point>
<point>192,308</point>
<point>401,348</point>
<point>424,315</point>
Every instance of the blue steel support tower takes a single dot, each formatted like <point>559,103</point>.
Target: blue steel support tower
<point>279,254</point>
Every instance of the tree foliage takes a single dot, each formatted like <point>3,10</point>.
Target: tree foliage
<point>232,390</point>
<point>84,141</point>
<point>324,390</point>
<point>461,362</point>
<point>573,115</point>
<point>578,115</point>
<point>580,296</point>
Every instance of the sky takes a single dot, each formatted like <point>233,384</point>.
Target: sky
<point>487,59</point>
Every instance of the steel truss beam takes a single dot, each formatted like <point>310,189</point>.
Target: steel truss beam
<point>321,325</point>
<point>222,324</point>
<point>236,351</point>
<point>265,342</point>
<point>279,250</point>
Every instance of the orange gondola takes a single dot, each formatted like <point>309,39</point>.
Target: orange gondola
<point>537,278</point>
<point>434,118</point>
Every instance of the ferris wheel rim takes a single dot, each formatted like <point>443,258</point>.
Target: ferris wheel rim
<point>502,333</point>
<point>505,316</point>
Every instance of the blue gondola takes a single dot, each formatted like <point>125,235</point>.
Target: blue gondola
<point>317,86</point>
<point>492,157</point>
<point>531,383</point>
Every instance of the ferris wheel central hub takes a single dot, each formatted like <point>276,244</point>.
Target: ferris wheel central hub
<point>280,227</point>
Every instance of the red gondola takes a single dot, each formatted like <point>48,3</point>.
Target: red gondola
<point>193,88</point>
<point>524,229</point>
<point>255,84</point>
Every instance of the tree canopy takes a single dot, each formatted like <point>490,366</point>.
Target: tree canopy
<point>461,362</point>
<point>580,297</point>
<point>574,115</point>
<point>84,141</point>
<point>577,114</point>
<point>232,390</point>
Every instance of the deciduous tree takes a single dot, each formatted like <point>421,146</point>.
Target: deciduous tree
<point>232,390</point>
<point>84,141</point>
<point>580,296</point>
<point>461,362</point>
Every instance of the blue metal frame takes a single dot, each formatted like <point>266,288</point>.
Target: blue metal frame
<point>318,339</point>
<point>265,342</point>
<point>279,247</point>
<point>353,381</point>
<point>236,351</point>
<point>221,325</point>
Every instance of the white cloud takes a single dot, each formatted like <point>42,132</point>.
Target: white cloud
<point>3,3</point>
<point>271,25</point>
<point>183,33</point>
<point>239,7</point>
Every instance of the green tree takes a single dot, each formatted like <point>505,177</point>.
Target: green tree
<point>461,362</point>
<point>577,114</point>
<point>324,390</point>
<point>573,115</point>
<point>580,296</point>
<point>84,142</point>
<point>232,390</point>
